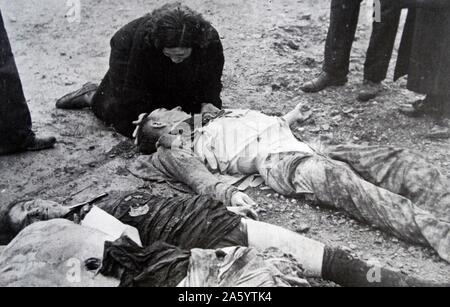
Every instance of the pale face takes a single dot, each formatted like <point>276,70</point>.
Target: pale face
<point>27,213</point>
<point>162,121</point>
<point>177,55</point>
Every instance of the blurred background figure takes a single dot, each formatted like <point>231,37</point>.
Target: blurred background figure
<point>15,120</point>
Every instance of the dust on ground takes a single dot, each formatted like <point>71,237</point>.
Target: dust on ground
<point>271,47</point>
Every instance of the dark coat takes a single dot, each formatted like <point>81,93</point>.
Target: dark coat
<point>141,78</point>
<point>15,120</point>
<point>424,53</point>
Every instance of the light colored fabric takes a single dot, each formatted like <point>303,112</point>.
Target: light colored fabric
<point>52,254</point>
<point>106,223</point>
<point>307,252</point>
<point>239,141</point>
<point>242,267</point>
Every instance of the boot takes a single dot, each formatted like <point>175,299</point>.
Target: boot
<point>369,90</point>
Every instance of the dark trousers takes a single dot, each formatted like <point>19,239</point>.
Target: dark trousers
<point>15,120</point>
<point>343,25</point>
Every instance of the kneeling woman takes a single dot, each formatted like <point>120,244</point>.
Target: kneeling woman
<point>169,58</point>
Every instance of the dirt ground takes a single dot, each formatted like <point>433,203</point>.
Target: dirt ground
<point>271,48</point>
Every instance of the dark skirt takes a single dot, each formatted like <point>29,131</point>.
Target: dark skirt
<point>425,52</point>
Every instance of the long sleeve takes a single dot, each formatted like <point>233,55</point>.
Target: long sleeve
<point>213,61</point>
<point>186,168</point>
<point>129,59</point>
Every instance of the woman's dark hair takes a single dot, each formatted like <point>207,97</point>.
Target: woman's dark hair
<point>176,25</point>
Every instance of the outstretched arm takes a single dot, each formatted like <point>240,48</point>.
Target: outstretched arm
<point>186,168</point>
<point>299,114</point>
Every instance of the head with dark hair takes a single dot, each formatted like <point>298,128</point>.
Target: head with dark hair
<point>18,215</point>
<point>151,127</point>
<point>177,30</point>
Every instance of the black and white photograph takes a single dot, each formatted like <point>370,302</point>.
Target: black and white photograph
<point>200,144</point>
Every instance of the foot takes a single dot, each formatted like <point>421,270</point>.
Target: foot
<point>419,108</point>
<point>439,132</point>
<point>79,99</point>
<point>369,90</point>
<point>323,81</point>
<point>37,144</point>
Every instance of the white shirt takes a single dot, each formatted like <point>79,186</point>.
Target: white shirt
<point>241,140</point>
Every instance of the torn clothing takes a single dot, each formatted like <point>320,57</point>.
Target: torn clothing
<point>184,221</point>
<point>162,265</point>
<point>243,267</point>
<point>141,78</point>
<point>157,265</point>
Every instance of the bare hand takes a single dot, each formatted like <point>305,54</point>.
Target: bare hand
<point>246,212</point>
<point>209,108</point>
<point>241,199</point>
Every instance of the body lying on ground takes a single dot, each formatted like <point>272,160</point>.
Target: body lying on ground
<point>393,189</point>
<point>180,236</point>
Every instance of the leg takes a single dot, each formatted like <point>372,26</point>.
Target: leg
<point>319,260</point>
<point>380,51</point>
<point>382,43</point>
<point>341,34</point>
<point>308,252</point>
<point>335,184</point>
<point>15,119</point>
<point>400,171</point>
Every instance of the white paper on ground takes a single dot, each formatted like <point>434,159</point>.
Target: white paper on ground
<point>108,224</point>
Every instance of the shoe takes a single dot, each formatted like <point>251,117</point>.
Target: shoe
<point>419,108</point>
<point>369,90</point>
<point>79,99</point>
<point>37,144</point>
<point>439,132</point>
<point>323,81</point>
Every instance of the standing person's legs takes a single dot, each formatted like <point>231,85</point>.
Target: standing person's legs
<point>382,43</point>
<point>380,50</point>
<point>341,34</point>
<point>15,120</point>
